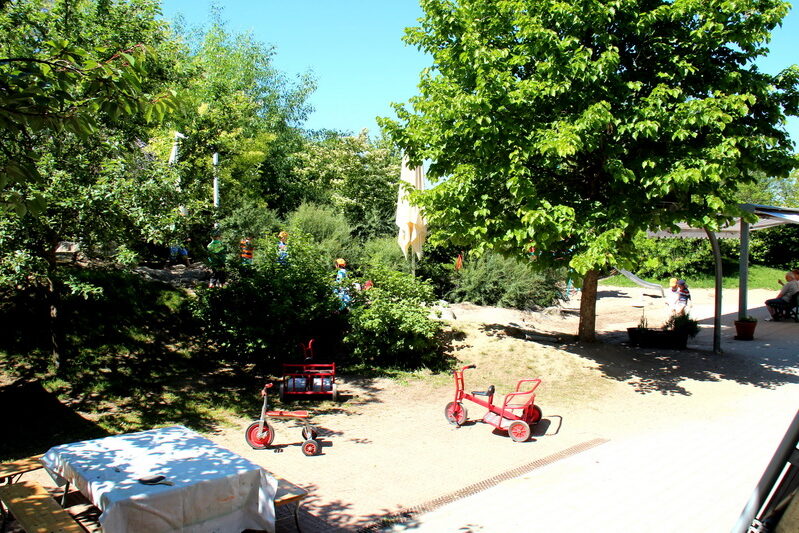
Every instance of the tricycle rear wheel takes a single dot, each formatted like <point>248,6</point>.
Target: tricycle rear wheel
<point>536,415</point>
<point>455,413</point>
<point>259,440</point>
<point>519,431</point>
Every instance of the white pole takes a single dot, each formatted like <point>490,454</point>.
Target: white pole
<point>216,180</point>
<point>173,159</point>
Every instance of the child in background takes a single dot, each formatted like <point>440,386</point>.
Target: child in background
<point>341,277</point>
<point>216,261</point>
<point>246,247</point>
<point>282,247</point>
<point>683,297</point>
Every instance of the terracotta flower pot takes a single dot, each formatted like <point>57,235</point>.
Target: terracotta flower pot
<point>745,330</point>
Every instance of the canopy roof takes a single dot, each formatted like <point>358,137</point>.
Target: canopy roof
<point>768,216</point>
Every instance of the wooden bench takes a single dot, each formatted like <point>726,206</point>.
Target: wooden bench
<point>288,492</point>
<point>35,510</point>
<point>19,467</point>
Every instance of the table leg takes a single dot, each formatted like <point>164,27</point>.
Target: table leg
<point>297,516</point>
<point>64,496</point>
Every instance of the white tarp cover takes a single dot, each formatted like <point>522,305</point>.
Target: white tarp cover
<point>768,216</point>
<point>411,224</point>
<point>213,489</point>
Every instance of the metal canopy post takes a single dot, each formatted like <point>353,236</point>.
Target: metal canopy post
<point>743,272</point>
<point>714,243</point>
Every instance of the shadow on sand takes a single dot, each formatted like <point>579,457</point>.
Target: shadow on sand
<point>36,420</point>
<point>770,361</point>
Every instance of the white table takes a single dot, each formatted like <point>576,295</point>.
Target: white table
<point>214,490</point>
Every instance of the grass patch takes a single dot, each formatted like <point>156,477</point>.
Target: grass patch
<point>760,277</point>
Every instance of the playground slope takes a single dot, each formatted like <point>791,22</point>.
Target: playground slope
<point>387,448</point>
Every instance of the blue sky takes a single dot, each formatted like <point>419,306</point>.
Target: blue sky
<point>355,52</point>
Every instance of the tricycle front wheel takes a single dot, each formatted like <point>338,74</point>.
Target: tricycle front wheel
<point>519,431</point>
<point>311,447</point>
<point>257,439</point>
<point>455,413</point>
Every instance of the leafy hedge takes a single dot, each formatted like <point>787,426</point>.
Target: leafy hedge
<point>506,282</point>
<point>266,310</point>
<point>389,324</point>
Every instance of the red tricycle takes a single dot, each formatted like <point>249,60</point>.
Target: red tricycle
<point>308,378</point>
<point>517,414</point>
<point>260,434</point>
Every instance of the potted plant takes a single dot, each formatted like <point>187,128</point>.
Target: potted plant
<point>638,334</point>
<point>745,328</point>
<point>674,333</point>
<point>680,328</point>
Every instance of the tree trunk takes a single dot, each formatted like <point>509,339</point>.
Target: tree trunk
<point>587,328</point>
<point>56,335</point>
<point>53,304</point>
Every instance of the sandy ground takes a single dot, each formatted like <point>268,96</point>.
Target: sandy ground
<point>387,446</point>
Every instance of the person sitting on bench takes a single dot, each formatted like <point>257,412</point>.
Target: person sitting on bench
<point>777,306</point>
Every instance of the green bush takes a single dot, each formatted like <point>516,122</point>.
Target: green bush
<point>776,247</point>
<point>668,257</point>
<point>384,252</point>
<point>505,282</point>
<point>266,310</point>
<point>389,323</point>
<point>436,265</point>
<point>327,228</point>
<point>251,219</point>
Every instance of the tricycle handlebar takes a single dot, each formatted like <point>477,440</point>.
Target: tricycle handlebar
<point>469,366</point>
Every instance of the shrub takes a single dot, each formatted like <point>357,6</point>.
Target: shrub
<point>775,247</point>
<point>669,257</point>
<point>327,228</point>
<point>384,252</point>
<point>266,310</point>
<point>251,219</point>
<point>665,257</point>
<point>389,323</point>
<point>506,282</point>
<point>682,323</point>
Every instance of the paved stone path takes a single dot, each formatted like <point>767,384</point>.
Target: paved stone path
<point>689,477</point>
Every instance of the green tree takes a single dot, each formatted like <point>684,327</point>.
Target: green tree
<point>79,99</point>
<point>61,73</point>
<point>240,106</point>
<point>356,175</point>
<point>572,127</point>
<point>772,190</point>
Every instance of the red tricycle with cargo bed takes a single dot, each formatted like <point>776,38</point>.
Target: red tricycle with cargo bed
<point>517,413</point>
<point>308,378</point>
<point>259,435</point>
